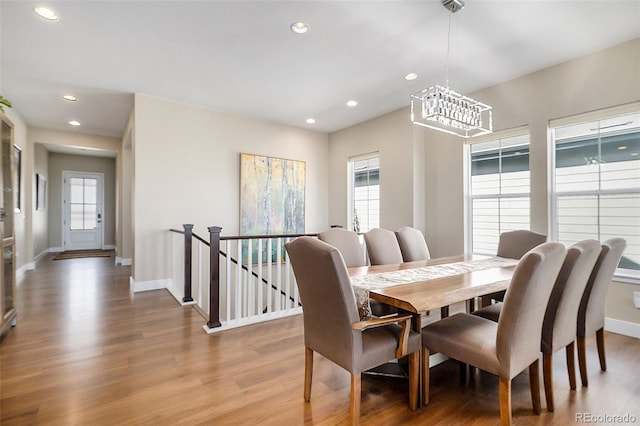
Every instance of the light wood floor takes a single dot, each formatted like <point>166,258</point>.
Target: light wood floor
<point>86,351</point>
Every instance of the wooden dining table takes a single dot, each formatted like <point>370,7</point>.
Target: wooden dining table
<point>422,296</point>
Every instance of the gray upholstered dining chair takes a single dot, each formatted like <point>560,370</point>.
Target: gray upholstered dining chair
<point>513,245</point>
<point>333,328</point>
<point>347,243</point>
<point>382,247</point>
<point>512,344</point>
<point>412,244</point>
<point>591,312</point>
<point>559,327</point>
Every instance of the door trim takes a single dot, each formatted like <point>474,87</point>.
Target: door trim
<point>65,175</point>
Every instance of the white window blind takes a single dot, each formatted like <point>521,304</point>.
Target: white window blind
<point>597,184</point>
<point>365,193</point>
<point>499,190</point>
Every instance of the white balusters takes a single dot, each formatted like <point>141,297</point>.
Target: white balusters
<point>251,289</point>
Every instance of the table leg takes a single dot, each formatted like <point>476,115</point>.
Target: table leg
<point>444,312</point>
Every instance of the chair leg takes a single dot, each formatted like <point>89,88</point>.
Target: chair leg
<point>425,375</point>
<point>534,386</point>
<point>485,301</point>
<point>471,305</point>
<point>600,343</point>
<point>547,378</point>
<point>414,380</point>
<point>463,372</point>
<point>308,372</point>
<point>505,401</point>
<point>571,364</point>
<point>356,390</point>
<point>582,360</point>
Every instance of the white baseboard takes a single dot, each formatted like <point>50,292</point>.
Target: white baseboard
<point>55,249</point>
<point>21,271</point>
<point>32,265</point>
<point>40,256</point>
<point>227,325</point>
<point>123,261</point>
<point>148,285</point>
<point>625,328</point>
<point>174,292</point>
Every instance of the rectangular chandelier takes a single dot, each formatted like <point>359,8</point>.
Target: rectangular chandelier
<point>440,108</point>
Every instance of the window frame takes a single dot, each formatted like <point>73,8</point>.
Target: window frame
<point>621,274</point>
<point>351,184</point>
<point>469,197</point>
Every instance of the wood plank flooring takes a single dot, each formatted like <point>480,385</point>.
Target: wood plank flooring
<point>86,351</point>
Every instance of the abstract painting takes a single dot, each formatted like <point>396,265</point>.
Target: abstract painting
<point>272,194</point>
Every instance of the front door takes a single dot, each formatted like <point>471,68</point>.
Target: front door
<point>83,198</point>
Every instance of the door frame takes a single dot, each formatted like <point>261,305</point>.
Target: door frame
<point>100,176</point>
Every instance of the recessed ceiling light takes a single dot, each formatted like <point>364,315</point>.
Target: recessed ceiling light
<point>352,103</point>
<point>46,13</point>
<point>411,76</point>
<point>299,27</point>
<point>311,120</point>
<point>633,154</point>
<point>622,147</point>
<point>74,123</point>
<point>69,97</point>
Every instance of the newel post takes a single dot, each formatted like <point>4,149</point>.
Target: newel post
<point>188,238</point>
<point>214,279</point>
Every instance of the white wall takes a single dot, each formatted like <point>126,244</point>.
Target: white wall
<point>40,157</point>
<point>392,137</point>
<point>59,163</point>
<point>124,225</point>
<point>596,81</point>
<point>40,220</point>
<point>186,165</point>
<point>603,79</point>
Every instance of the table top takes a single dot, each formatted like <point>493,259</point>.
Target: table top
<point>422,296</point>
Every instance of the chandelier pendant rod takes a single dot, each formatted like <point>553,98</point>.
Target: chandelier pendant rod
<point>448,51</point>
<point>440,108</point>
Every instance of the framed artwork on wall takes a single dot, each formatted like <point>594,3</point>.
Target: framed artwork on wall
<point>41,192</point>
<point>272,196</point>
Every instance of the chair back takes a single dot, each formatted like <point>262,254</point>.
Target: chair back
<point>347,243</point>
<point>382,247</point>
<point>412,244</point>
<point>559,327</point>
<point>328,303</point>
<point>514,244</point>
<point>591,312</point>
<point>520,324</point>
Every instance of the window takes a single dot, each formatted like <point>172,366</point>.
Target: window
<point>365,193</point>
<point>597,184</point>
<point>498,190</point>
<point>83,203</point>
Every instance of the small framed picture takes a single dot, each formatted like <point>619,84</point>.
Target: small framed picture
<point>41,192</point>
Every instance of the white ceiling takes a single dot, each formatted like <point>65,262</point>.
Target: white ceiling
<point>241,57</point>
